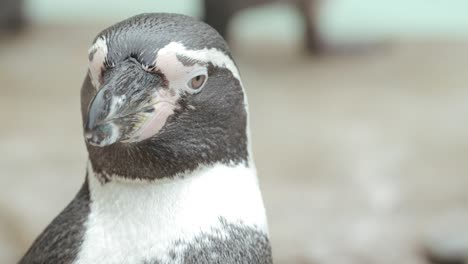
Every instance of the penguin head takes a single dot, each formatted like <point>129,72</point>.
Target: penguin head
<point>161,97</point>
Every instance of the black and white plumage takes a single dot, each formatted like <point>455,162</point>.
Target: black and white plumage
<point>170,177</point>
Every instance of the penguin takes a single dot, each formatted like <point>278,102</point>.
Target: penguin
<point>170,176</point>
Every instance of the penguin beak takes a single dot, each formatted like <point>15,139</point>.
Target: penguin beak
<point>131,105</point>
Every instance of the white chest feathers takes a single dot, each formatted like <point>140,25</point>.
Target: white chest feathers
<point>136,222</point>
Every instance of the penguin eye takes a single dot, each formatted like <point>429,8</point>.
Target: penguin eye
<point>197,82</point>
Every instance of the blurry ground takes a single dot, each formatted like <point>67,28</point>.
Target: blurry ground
<point>358,156</point>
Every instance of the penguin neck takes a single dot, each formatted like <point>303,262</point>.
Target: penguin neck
<point>197,199</point>
<point>128,219</point>
<point>220,187</point>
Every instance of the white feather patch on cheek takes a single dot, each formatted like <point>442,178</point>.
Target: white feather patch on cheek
<point>96,63</point>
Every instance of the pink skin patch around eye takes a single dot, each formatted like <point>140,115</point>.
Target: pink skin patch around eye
<point>162,110</point>
<point>163,107</point>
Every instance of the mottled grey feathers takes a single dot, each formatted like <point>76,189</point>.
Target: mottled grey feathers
<point>232,244</point>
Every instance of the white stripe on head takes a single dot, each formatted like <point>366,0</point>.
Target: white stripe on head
<point>96,64</point>
<point>216,57</point>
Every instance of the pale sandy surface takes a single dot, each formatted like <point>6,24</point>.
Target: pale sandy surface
<point>358,156</point>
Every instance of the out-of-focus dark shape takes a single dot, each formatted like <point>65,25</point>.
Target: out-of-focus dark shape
<point>447,242</point>
<point>218,13</point>
<point>11,16</point>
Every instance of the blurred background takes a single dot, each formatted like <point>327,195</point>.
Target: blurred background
<point>358,115</point>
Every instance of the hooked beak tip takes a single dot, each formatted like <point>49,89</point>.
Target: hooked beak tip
<point>88,135</point>
<point>102,135</point>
